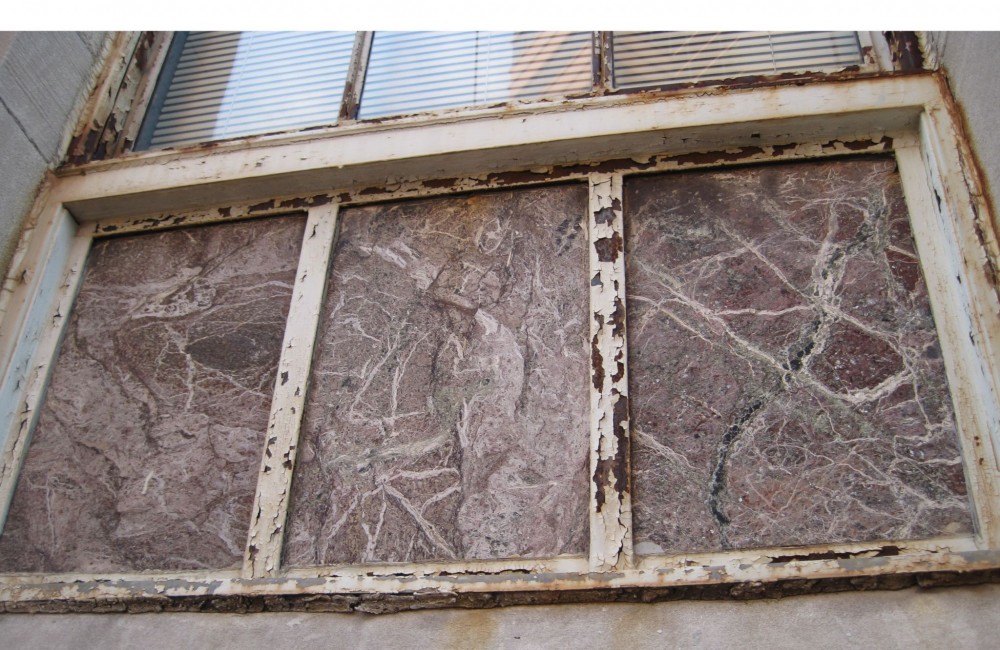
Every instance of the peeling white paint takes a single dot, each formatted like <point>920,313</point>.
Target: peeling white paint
<point>274,482</point>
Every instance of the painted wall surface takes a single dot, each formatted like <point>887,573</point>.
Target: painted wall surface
<point>43,78</point>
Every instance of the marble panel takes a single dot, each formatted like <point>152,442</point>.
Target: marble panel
<point>148,445</point>
<point>447,410</point>
<point>786,378</point>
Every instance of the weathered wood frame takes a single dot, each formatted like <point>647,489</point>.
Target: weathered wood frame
<point>911,116</point>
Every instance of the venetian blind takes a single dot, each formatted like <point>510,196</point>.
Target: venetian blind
<point>660,58</point>
<point>230,84</point>
<point>417,71</point>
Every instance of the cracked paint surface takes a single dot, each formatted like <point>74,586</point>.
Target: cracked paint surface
<point>147,448</point>
<point>447,410</point>
<point>787,381</point>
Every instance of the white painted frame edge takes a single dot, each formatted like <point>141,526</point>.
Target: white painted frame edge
<point>939,168</point>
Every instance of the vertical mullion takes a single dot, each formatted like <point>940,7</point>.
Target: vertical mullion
<point>266,535</point>
<point>355,82</point>
<point>603,64</point>
<point>610,485</point>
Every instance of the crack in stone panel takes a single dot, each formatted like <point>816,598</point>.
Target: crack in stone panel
<point>147,448</point>
<point>447,410</point>
<point>786,378</point>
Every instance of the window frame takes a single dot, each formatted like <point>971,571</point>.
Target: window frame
<point>910,116</point>
<point>875,57</point>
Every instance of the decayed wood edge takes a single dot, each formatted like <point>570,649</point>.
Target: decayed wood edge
<point>351,196</point>
<point>772,572</point>
<point>149,74</point>
<point>119,52</point>
<point>266,534</point>
<point>954,244</point>
<point>610,492</point>
<point>57,303</point>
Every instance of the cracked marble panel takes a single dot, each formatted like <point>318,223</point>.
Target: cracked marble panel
<point>787,381</point>
<point>148,445</point>
<point>447,409</point>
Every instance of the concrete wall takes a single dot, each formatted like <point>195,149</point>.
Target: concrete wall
<point>45,77</point>
<point>43,80</point>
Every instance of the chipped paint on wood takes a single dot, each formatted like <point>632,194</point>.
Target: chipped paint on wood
<point>762,573</point>
<point>611,505</point>
<point>416,188</point>
<point>24,385</point>
<point>365,154</point>
<point>955,243</point>
<point>115,109</point>
<point>267,524</point>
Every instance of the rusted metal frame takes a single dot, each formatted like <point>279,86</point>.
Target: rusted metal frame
<point>751,567</point>
<point>904,51</point>
<point>352,196</point>
<point>116,107</point>
<point>957,243</point>
<point>603,66</point>
<point>471,570</point>
<point>610,488</point>
<point>267,523</point>
<point>356,72</point>
<point>875,51</point>
<point>149,79</point>
<point>98,112</point>
<point>36,339</point>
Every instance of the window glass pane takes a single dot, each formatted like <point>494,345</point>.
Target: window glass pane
<point>409,72</point>
<point>147,449</point>
<point>447,411</point>
<point>787,381</point>
<point>659,58</point>
<point>229,84</point>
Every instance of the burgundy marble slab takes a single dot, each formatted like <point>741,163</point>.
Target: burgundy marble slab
<point>447,410</point>
<point>148,445</point>
<point>786,378</point>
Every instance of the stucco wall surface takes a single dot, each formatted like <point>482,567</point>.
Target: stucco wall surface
<point>45,77</point>
<point>915,618</point>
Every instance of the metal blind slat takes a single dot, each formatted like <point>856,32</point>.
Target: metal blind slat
<point>650,58</point>
<point>417,71</point>
<point>242,83</point>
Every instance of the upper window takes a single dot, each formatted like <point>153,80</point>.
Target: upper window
<point>222,85</point>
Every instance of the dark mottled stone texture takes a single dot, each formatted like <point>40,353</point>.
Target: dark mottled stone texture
<point>148,445</point>
<point>447,411</point>
<point>787,383</point>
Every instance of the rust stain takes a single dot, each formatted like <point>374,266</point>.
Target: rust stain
<point>258,207</point>
<point>306,202</point>
<point>597,360</point>
<point>905,50</point>
<point>615,467</point>
<point>608,247</point>
<point>618,320</point>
